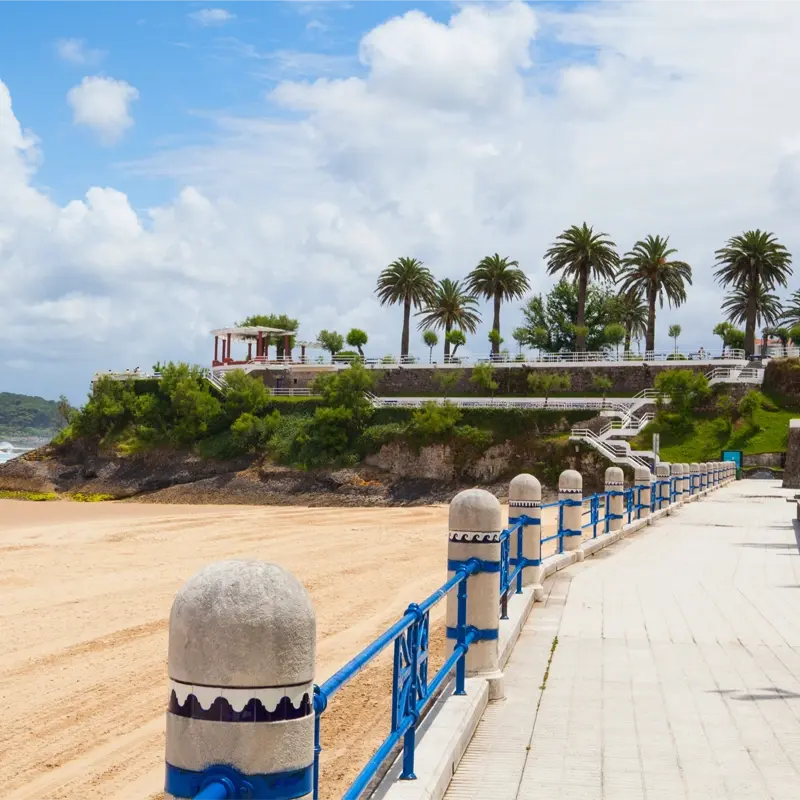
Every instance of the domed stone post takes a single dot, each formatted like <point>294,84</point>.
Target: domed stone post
<point>703,476</point>
<point>685,481</point>
<point>615,484</point>
<point>676,470</point>
<point>570,488</point>
<point>475,526</point>
<point>525,500</point>
<point>694,477</point>
<point>643,481</point>
<point>240,718</point>
<point>662,474</point>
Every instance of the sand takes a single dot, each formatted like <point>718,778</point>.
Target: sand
<point>85,594</point>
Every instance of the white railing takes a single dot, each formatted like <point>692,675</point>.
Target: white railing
<point>279,392</point>
<point>619,453</point>
<point>218,381</point>
<point>734,375</point>
<point>127,375</point>
<point>617,405</point>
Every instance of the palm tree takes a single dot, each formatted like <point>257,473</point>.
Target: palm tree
<point>632,315</point>
<point>451,307</point>
<point>497,279</point>
<point>767,307</point>
<point>580,253</point>
<point>647,268</point>
<point>791,311</point>
<point>407,281</point>
<point>756,263</point>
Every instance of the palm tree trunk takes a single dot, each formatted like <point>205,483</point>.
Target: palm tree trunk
<point>406,327</point>
<point>650,338</point>
<point>496,325</point>
<point>447,328</point>
<point>750,324</point>
<point>583,283</point>
<point>628,334</point>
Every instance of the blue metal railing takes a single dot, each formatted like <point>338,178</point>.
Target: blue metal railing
<point>411,688</point>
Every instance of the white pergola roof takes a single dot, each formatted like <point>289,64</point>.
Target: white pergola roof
<point>250,332</point>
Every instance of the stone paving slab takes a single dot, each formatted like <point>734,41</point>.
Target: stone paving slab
<point>677,669</point>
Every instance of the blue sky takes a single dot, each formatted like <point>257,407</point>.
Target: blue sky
<point>163,177</point>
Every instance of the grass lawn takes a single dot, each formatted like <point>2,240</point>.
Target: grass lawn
<point>711,436</point>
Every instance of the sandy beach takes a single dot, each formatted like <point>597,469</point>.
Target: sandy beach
<point>85,594</point>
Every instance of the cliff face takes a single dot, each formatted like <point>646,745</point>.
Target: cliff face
<point>397,475</point>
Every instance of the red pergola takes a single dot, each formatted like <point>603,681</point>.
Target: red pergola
<point>260,336</point>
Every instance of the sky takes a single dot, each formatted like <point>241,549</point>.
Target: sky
<point>169,168</point>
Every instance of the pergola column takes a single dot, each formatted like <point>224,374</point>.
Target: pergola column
<point>260,345</point>
<point>249,351</point>
<point>229,347</point>
<point>216,348</point>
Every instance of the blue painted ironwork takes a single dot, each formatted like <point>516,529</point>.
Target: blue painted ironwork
<point>412,689</point>
<point>222,782</point>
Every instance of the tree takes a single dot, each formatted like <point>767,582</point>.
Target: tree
<point>64,410</point>
<point>581,254</point>
<point>794,335</point>
<point>495,340</point>
<point>756,263</point>
<point>244,394</point>
<point>721,329</point>
<point>431,340</point>
<point>357,338</point>
<point>331,341</point>
<point>791,311</point>
<point>280,321</point>
<point>748,406</point>
<point>545,383</point>
<point>497,279</point>
<point>349,389</point>
<point>685,390</point>
<point>614,334</point>
<point>549,320</point>
<point>674,333</point>
<point>602,383</point>
<point>648,268</point>
<point>483,376</point>
<point>632,313</point>
<point>520,336</point>
<point>452,307</point>
<point>448,379</point>
<point>740,300</point>
<point>456,339</point>
<point>407,281</point>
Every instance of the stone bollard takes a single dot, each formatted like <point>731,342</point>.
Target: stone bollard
<point>242,639</point>
<point>570,487</point>
<point>615,483</point>
<point>475,525</point>
<point>694,478</point>
<point>643,491</point>
<point>676,471</point>
<point>685,481</point>
<point>662,474</point>
<point>703,476</point>
<point>525,499</point>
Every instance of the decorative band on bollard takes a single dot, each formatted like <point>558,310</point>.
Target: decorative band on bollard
<point>475,527</point>
<point>525,504</point>
<point>570,492</point>
<point>240,718</point>
<point>642,499</point>
<point>615,490</point>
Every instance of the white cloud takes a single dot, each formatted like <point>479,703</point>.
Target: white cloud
<point>103,104</point>
<point>75,52</point>
<point>449,142</point>
<point>209,17</point>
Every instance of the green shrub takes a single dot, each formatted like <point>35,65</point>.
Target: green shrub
<point>433,422</point>
<point>250,433</point>
<point>375,436</point>
<point>80,497</point>
<point>325,438</point>
<point>282,445</point>
<point>245,394</point>
<point>37,497</point>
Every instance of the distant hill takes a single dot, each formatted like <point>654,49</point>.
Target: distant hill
<point>23,415</point>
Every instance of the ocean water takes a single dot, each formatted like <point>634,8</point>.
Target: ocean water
<point>9,451</point>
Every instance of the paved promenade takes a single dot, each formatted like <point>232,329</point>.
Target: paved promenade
<point>676,672</point>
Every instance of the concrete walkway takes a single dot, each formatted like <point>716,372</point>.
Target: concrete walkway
<point>676,672</point>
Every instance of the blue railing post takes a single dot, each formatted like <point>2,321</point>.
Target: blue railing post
<point>520,556</point>
<point>560,527</point>
<point>461,638</point>
<point>413,694</point>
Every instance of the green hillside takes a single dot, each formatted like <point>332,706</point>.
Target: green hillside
<point>23,415</point>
